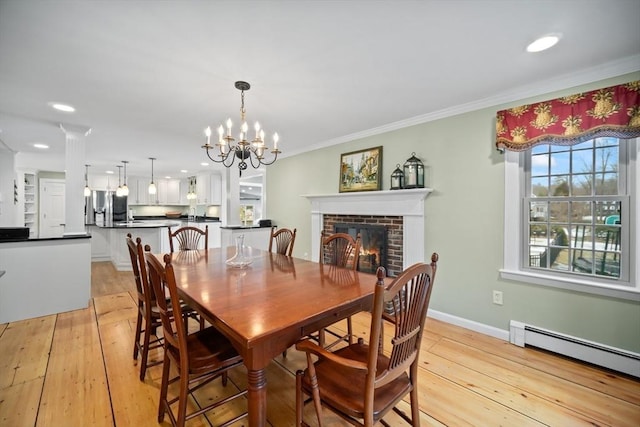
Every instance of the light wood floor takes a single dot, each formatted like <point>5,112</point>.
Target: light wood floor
<point>76,369</point>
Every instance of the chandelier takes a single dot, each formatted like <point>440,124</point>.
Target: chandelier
<point>226,150</point>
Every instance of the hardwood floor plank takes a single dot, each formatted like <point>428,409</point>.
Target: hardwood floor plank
<point>591,403</point>
<point>106,280</point>
<point>609,382</point>
<point>75,389</point>
<point>24,350</point>
<point>519,399</point>
<point>19,403</point>
<point>115,308</point>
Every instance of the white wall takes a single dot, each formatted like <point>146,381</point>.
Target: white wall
<point>8,210</point>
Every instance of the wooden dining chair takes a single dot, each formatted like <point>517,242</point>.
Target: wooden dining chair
<point>340,250</point>
<point>362,383</point>
<point>148,319</point>
<point>284,240</point>
<point>198,358</point>
<point>188,238</point>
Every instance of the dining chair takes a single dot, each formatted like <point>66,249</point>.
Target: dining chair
<point>188,238</point>
<point>198,357</point>
<point>340,250</point>
<point>284,240</point>
<point>148,319</point>
<point>362,383</point>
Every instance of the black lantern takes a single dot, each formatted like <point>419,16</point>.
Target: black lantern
<point>413,172</point>
<point>397,178</point>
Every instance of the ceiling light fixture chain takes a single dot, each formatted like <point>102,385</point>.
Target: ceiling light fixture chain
<point>152,186</point>
<point>227,148</point>
<point>125,188</point>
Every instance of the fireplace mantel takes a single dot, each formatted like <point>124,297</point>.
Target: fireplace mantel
<point>406,203</point>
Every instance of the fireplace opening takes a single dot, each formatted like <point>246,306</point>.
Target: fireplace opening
<point>373,250</point>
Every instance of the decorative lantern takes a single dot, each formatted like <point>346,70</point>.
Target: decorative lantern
<point>413,172</point>
<point>397,178</point>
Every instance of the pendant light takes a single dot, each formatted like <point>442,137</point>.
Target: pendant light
<point>125,189</point>
<point>119,189</point>
<point>87,190</point>
<point>152,185</point>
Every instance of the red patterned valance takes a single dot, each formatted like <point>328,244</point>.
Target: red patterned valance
<point>612,111</point>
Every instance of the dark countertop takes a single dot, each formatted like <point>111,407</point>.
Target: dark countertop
<point>42,239</point>
<point>158,223</point>
<point>181,218</point>
<point>241,227</point>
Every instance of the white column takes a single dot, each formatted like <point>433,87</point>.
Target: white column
<point>74,178</point>
<point>233,196</point>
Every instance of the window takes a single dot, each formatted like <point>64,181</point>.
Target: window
<point>571,216</point>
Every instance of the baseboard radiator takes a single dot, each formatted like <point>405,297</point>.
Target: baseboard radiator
<point>613,358</point>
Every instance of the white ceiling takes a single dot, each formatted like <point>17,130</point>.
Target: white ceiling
<point>148,76</point>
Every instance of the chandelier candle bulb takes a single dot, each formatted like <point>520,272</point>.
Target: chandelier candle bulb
<point>220,134</point>
<point>275,141</point>
<point>257,128</point>
<point>207,132</point>
<point>229,124</point>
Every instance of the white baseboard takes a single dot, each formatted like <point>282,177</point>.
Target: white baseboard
<point>469,324</point>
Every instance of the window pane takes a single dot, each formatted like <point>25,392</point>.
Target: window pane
<point>581,212</point>
<point>540,186</point>
<point>540,165</point>
<point>606,159</point>
<point>581,237</point>
<point>559,236</point>
<point>538,211</point>
<point>560,163</point>
<point>559,186</point>
<point>584,145</point>
<point>559,212</point>
<point>607,264</point>
<point>581,185</point>
<point>538,234</point>
<point>607,183</point>
<point>540,149</point>
<point>582,161</point>
<point>583,261</point>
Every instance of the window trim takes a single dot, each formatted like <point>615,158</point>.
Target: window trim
<point>514,187</point>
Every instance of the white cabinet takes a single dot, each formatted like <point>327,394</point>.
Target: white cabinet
<point>169,192</point>
<point>99,243</point>
<point>138,191</point>
<point>102,182</point>
<point>209,189</point>
<point>215,238</point>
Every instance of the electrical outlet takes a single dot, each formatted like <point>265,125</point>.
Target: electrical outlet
<point>497,297</point>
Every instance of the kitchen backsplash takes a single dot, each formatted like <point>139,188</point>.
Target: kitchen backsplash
<point>139,210</point>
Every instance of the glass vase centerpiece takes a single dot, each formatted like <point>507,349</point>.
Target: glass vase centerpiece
<point>242,258</point>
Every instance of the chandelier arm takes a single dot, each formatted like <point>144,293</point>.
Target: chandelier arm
<point>275,157</point>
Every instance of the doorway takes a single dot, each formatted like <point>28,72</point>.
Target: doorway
<point>52,194</point>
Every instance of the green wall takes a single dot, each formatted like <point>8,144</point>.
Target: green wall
<point>464,224</point>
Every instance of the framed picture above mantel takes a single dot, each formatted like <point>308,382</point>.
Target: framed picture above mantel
<point>361,170</point>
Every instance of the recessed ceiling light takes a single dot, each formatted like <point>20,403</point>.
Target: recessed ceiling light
<point>62,107</point>
<point>543,43</point>
<point>204,164</point>
<point>109,172</point>
<point>41,146</point>
<point>183,171</point>
<point>167,177</point>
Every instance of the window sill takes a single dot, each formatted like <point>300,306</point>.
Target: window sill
<point>613,291</point>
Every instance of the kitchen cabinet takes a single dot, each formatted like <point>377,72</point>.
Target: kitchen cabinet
<point>138,191</point>
<point>215,237</point>
<point>102,182</point>
<point>209,189</point>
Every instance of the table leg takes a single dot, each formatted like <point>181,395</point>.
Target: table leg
<point>257,391</point>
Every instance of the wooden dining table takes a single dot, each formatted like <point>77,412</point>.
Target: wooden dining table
<point>269,305</point>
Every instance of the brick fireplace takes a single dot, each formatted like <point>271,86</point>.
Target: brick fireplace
<point>401,212</point>
<point>381,237</point>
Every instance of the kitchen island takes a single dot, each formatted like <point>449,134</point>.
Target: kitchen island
<point>44,276</point>
<point>109,243</point>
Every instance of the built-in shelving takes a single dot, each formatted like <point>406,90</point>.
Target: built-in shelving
<point>31,203</point>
